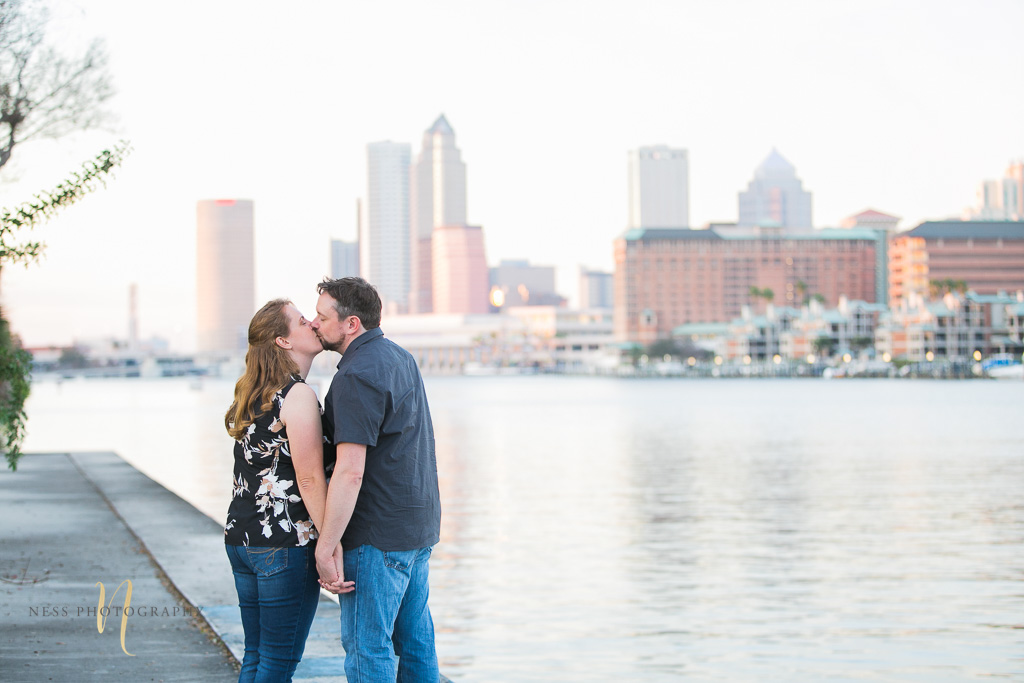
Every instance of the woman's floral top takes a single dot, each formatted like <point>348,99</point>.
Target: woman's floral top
<point>266,509</point>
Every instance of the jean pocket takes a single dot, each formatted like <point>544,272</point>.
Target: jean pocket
<point>400,559</point>
<point>268,561</point>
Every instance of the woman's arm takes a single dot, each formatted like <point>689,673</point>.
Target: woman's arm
<point>301,417</point>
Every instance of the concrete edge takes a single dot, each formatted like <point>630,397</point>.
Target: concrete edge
<point>198,617</point>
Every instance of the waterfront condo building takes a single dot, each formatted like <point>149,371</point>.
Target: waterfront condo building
<point>384,236</point>
<point>775,198</point>
<point>953,326</point>
<point>437,198</point>
<point>225,274</point>
<point>666,278</point>
<point>986,256</point>
<point>659,194</point>
<point>460,270</point>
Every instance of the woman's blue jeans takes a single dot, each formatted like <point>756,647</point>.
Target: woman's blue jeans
<point>386,617</point>
<point>277,593</point>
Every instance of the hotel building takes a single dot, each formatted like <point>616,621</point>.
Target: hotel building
<point>986,255</point>
<point>666,278</point>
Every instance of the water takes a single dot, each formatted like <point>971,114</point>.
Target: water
<point>657,530</point>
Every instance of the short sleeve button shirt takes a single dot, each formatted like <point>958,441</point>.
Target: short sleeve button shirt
<point>377,399</point>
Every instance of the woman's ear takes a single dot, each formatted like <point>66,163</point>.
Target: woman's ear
<point>283,343</point>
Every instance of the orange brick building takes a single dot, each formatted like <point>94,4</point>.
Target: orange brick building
<point>987,255</point>
<point>669,277</point>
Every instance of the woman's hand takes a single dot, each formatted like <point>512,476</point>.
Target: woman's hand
<point>332,571</point>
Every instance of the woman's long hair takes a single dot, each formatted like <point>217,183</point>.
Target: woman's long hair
<point>267,368</point>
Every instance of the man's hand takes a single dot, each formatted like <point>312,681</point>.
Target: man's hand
<point>332,571</point>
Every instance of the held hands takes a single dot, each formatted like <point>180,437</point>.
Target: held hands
<point>332,571</point>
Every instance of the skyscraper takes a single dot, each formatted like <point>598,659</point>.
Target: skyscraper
<point>775,198</point>
<point>659,194</point>
<point>384,237</point>
<point>437,198</point>
<point>1000,200</point>
<point>225,279</point>
<point>461,282</point>
<point>596,289</point>
<point>344,259</point>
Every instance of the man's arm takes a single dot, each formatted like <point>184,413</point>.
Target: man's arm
<point>341,501</point>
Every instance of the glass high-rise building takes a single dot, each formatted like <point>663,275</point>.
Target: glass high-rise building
<point>437,198</point>
<point>384,236</point>
<point>344,259</point>
<point>775,198</point>
<point>225,274</point>
<point>659,188</point>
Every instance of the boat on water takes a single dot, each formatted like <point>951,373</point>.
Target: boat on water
<point>1003,366</point>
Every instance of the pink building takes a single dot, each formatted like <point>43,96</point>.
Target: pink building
<point>461,278</point>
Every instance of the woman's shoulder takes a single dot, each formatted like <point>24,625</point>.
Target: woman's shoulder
<point>298,392</point>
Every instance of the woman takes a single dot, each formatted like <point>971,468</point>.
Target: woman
<point>279,492</point>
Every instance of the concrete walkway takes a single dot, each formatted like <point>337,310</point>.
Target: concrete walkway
<point>59,538</point>
<point>73,520</point>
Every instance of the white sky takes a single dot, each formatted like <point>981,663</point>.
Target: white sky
<point>899,106</point>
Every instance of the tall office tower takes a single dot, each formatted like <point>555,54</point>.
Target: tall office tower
<point>437,198</point>
<point>225,278</point>
<point>384,237</point>
<point>776,198</point>
<point>659,194</point>
<point>460,270</point>
<point>595,289</point>
<point>344,259</point>
<point>1000,200</point>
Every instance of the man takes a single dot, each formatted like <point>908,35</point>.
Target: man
<point>383,502</point>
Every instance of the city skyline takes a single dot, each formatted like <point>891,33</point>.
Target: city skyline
<point>867,102</point>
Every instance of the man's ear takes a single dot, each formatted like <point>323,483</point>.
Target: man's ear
<point>283,343</point>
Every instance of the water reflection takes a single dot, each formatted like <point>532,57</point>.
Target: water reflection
<point>714,530</point>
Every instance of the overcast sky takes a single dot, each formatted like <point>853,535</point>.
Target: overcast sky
<point>899,106</point>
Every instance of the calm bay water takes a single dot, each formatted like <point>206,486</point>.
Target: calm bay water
<point>718,530</point>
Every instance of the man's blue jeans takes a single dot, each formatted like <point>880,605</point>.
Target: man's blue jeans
<point>386,616</point>
<point>277,593</point>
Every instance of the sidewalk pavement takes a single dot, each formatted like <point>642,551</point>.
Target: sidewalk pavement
<point>75,519</point>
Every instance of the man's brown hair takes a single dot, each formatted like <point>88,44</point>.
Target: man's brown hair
<point>353,296</point>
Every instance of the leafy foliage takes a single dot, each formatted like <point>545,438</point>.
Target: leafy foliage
<point>43,93</point>
<point>15,367</point>
<point>15,362</point>
<point>46,204</point>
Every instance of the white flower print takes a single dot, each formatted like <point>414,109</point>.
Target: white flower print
<point>241,486</point>
<point>306,531</point>
<point>261,490</point>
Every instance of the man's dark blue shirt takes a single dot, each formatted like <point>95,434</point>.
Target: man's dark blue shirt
<point>377,399</point>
